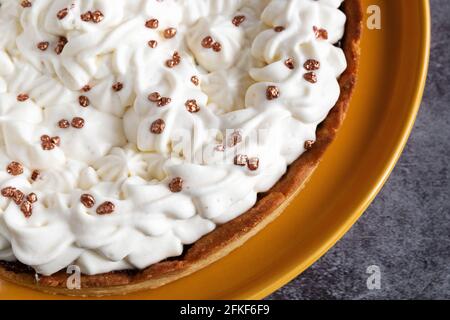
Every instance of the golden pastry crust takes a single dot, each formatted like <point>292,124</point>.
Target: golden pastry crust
<point>232,234</point>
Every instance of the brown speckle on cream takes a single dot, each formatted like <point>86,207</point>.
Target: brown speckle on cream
<point>63,123</point>
<point>235,139</point>
<point>157,126</point>
<point>310,77</point>
<point>153,44</point>
<point>32,197</point>
<point>240,160</point>
<point>84,101</point>
<point>97,16</point>
<point>176,185</point>
<point>26,208</point>
<point>106,207</point>
<point>35,175</point>
<point>25,4</point>
<point>195,80</point>
<point>43,45</point>
<point>77,122</point>
<point>290,63</point>
<point>87,200</point>
<point>22,97</point>
<point>207,42</point>
<point>272,92</point>
<point>62,13</point>
<point>320,33</point>
<point>152,23</point>
<point>311,65</point>
<point>238,20</point>
<point>309,144</point>
<point>117,86</point>
<point>164,101</point>
<point>169,33</point>
<point>14,168</point>
<point>192,106</point>
<point>253,164</point>
<point>8,192</point>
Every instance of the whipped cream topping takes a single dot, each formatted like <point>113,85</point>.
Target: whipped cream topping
<point>237,89</point>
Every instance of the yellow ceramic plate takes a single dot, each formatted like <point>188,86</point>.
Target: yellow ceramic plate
<point>392,77</point>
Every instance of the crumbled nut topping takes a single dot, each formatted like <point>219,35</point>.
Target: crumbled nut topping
<point>56,140</point>
<point>25,4</point>
<point>238,20</point>
<point>63,124</point>
<point>158,99</point>
<point>8,192</point>
<point>192,106</point>
<point>35,175</point>
<point>320,34</point>
<point>14,168</point>
<point>207,42</point>
<point>87,16</point>
<point>62,13</point>
<point>290,63</point>
<point>153,44</point>
<point>217,47</point>
<point>87,200</point>
<point>176,59</point>
<point>164,101</point>
<point>169,33</point>
<point>240,160</point>
<point>311,65</point>
<point>235,139</point>
<point>62,41</point>
<point>18,196</point>
<point>23,97</point>
<point>49,143</point>
<point>92,16</point>
<point>158,126</point>
<point>195,80</point>
<point>170,63</point>
<point>272,92</point>
<point>117,86</point>
<point>77,122</point>
<point>84,101</point>
<point>310,77</point>
<point>86,88</point>
<point>24,203</point>
<point>152,23</point>
<point>32,197</point>
<point>26,208</point>
<point>154,97</point>
<point>176,185</point>
<point>97,16</point>
<point>309,144</point>
<point>106,207</point>
<point>253,164</point>
<point>43,45</point>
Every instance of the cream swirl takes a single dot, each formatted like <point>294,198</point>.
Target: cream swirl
<point>114,156</point>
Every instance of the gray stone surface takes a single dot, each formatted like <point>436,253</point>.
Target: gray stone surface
<point>406,231</point>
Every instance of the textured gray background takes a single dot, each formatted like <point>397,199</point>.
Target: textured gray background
<point>406,231</point>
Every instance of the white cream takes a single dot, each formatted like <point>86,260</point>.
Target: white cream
<point>115,157</point>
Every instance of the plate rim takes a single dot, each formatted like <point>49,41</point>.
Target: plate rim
<point>279,280</point>
<point>301,266</point>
